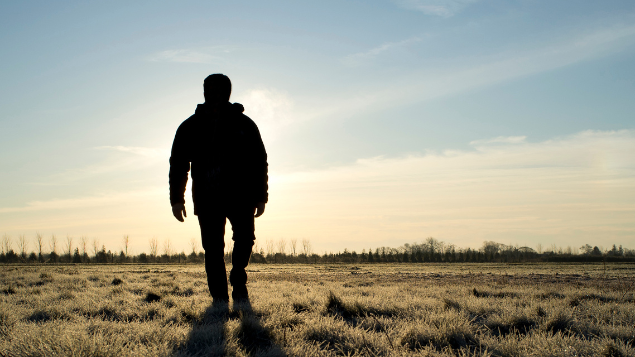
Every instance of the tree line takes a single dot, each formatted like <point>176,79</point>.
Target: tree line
<point>68,250</point>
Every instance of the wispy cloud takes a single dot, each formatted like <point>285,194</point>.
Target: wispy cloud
<point>432,83</point>
<point>271,108</point>
<point>500,140</point>
<point>136,150</point>
<point>566,190</point>
<point>141,213</point>
<point>117,161</point>
<point>361,57</point>
<point>100,200</point>
<point>443,8</point>
<point>202,55</point>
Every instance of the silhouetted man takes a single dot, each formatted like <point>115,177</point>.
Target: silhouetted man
<point>229,180</point>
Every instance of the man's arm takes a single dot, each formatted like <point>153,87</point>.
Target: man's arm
<point>260,209</point>
<point>261,168</point>
<point>178,210</point>
<point>179,168</point>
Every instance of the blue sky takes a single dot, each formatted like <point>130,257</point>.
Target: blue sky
<point>385,121</point>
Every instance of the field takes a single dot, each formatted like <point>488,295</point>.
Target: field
<point>321,310</point>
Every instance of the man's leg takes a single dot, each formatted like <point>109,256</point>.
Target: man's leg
<point>213,238</point>
<point>242,220</point>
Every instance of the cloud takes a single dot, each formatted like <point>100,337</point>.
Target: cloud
<point>270,108</point>
<point>135,158</point>
<point>136,150</point>
<point>514,64</point>
<point>203,55</point>
<point>119,160</point>
<point>565,190</point>
<point>141,214</point>
<point>358,58</point>
<point>442,8</point>
<point>101,200</point>
<point>500,140</point>
<point>431,83</point>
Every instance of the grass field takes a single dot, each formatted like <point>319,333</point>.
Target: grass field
<point>308,310</point>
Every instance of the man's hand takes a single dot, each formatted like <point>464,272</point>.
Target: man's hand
<point>178,210</point>
<point>260,209</point>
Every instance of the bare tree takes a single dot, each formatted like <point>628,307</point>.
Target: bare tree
<point>282,244</point>
<point>539,248</point>
<point>39,238</point>
<point>53,244</point>
<point>490,247</point>
<point>431,244</point>
<point>22,244</point>
<point>306,247</point>
<point>270,247</point>
<point>154,244</point>
<point>95,246</point>
<point>126,242</point>
<point>440,247</point>
<point>167,247</point>
<point>69,247</point>
<point>84,241</point>
<point>294,243</point>
<point>6,243</point>
<point>194,244</point>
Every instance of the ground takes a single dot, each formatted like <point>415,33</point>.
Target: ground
<point>321,310</point>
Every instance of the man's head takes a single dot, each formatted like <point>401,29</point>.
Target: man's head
<point>217,88</point>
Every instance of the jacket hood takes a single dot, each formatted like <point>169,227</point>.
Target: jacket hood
<point>224,107</point>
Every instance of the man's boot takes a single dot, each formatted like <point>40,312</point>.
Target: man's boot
<point>240,294</point>
<point>216,278</point>
<point>238,275</point>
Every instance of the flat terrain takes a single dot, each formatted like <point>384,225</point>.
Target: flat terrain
<point>321,310</point>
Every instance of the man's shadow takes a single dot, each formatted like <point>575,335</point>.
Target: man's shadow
<point>208,336</point>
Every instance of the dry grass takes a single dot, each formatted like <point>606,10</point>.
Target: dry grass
<point>305,310</point>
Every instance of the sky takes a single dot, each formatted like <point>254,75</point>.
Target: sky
<point>385,122</point>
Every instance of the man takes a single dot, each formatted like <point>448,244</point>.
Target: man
<point>229,180</point>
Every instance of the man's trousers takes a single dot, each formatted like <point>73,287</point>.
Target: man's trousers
<point>212,223</point>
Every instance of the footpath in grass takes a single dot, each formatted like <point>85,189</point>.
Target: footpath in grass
<point>321,310</point>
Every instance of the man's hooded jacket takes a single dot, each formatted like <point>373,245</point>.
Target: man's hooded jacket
<point>227,156</point>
